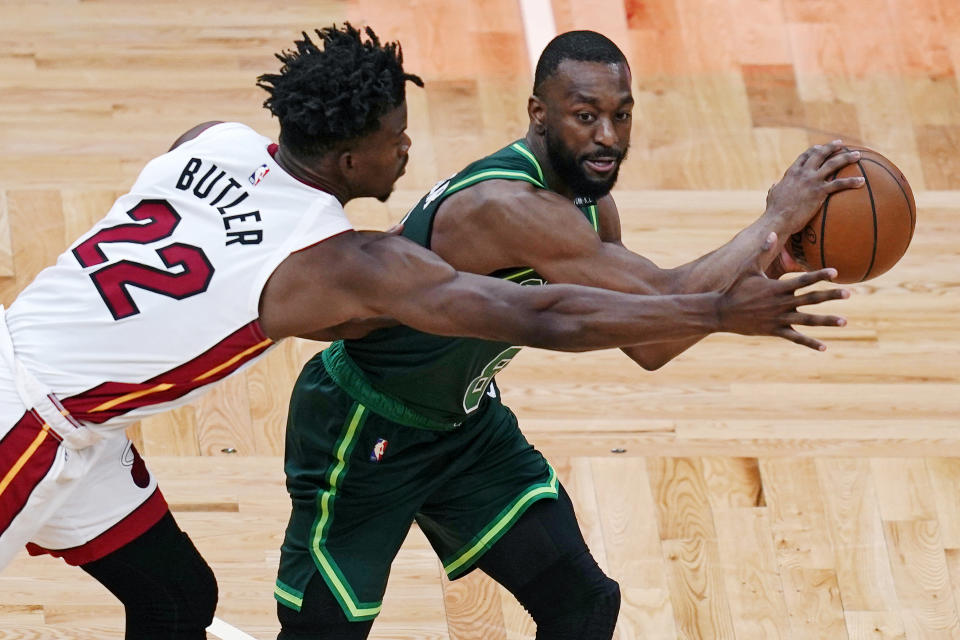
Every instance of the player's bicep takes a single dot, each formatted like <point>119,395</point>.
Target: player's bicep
<point>543,230</point>
<point>599,259</point>
<point>402,280</point>
<point>316,288</point>
<point>352,278</point>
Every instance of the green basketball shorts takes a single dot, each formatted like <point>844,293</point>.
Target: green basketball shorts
<point>358,480</point>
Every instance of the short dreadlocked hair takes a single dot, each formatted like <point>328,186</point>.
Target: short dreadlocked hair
<point>584,46</point>
<point>327,96</point>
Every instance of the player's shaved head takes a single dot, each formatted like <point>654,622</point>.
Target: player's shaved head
<point>585,46</point>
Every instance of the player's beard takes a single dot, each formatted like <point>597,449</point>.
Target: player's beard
<point>571,171</point>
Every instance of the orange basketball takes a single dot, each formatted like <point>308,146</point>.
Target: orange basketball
<point>860,232</point>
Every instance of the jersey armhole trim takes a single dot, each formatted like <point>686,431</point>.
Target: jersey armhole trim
<point>492,174</point>
<point>521,148</point>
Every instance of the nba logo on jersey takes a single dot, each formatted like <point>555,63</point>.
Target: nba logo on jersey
<point>378,450</point>
<point>259,174</point>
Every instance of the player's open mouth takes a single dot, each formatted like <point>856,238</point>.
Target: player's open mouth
<point>601,165</point>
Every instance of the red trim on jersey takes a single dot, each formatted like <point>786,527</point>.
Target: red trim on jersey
<point>112,399</point>
<point>124,532</point>
<point>27,452</point>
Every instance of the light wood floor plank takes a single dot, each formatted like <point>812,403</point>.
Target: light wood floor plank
<point>760,491</point>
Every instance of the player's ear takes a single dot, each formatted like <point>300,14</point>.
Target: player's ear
<point>537,111</point>
<point>346,162</point>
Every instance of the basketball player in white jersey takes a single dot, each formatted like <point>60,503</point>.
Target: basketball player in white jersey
<point>227,244</point>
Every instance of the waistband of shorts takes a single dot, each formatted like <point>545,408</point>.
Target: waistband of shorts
<point>350,378</point>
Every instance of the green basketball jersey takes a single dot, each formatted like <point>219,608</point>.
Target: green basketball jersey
<point>440,380</point>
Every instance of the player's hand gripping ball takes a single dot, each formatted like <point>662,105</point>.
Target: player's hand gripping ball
<point>862,232</point>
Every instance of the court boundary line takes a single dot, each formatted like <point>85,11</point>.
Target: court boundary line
<point>226,631</point>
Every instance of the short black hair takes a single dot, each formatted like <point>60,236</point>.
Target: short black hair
<point>585,46</point>
<point>327,96</point>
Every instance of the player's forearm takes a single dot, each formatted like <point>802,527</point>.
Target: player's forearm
<point>710,272</point>
<point>616,267</point>
<point>558,317</point>
<point>581,319</point>
<point>717,269</point>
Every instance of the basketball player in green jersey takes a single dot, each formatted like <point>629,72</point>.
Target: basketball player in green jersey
<point>401,426</point>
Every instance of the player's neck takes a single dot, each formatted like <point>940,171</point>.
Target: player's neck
<point>312,176</point>
<point>538,146</point>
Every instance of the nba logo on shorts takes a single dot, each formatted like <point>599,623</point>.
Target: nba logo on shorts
<point>378,450</point>
<point>259,174</point>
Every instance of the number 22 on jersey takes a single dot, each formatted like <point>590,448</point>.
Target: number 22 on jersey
<point>189,271</point>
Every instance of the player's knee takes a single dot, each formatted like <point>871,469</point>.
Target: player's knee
<point>166,587</point>
<point>573,599</point>
<point>180,603</point>
<point>198,598</point>
<point>594,605</point>
<point>186,591</point>
<point>605,601</point>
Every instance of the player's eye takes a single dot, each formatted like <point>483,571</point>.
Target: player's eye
<point>585,116</point>
<point>623,116</point>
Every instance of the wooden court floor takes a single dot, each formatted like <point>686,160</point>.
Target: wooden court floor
<point>758,490</point>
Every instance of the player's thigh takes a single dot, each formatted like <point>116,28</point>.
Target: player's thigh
<point>320,617</point>
<point>494,476</point>
<point>354,492</point>
<point>116,502</point>
<point>31,462</point>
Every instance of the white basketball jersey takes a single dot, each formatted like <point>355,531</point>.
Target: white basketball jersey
<point>161,297</point>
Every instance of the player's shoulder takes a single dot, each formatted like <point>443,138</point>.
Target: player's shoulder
<point>193,132</point>
<point>607,204</point>
<point>496,194</point>
<point>214,129</point>
<point>505,180</point>
<point>513,161</point>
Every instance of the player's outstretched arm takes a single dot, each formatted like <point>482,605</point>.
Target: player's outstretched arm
<point>356,276</point>
<point>515,224</point>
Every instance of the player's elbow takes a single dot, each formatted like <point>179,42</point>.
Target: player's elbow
<point>652,365</point>
<point>652,362</point>
<point>649,357</point>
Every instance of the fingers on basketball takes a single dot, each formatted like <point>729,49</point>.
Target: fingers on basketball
<point>863,232</point>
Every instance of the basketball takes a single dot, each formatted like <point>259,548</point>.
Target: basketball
<point>862,232</point>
